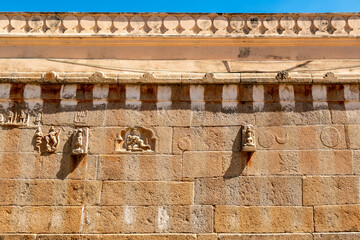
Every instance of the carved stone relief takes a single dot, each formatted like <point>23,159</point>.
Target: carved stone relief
<point>80,118</point>
<point>266,139</point>
<point>52,140</point>
<point>38,138</point>
<point>330,137</point>
<point>248,138</point>
<point>136,139</point>
<point>80,139</point>
<point>15,118</point>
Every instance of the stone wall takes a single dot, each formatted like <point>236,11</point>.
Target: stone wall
<point>185,175</point>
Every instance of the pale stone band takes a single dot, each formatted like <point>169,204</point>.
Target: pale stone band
<point>231,25</point>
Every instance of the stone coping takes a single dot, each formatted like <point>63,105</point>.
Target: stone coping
<point>287,25</point>
<point>179,78</point>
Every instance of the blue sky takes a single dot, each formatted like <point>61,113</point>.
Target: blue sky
<point>220,6</point>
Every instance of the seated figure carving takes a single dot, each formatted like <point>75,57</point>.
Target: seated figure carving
<point>135,143</point>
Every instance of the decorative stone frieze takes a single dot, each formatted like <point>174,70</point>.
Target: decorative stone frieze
<point>204,25</point>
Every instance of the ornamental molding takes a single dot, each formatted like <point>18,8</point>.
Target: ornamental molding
<point>179,24</point>
<point>176,78</point>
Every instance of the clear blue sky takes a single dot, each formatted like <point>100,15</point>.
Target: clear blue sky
<point>220,6</point>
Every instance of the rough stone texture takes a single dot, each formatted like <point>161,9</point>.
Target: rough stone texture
<point>336,236</point>
<point>258,191</point>
<point>232,219</point>
<point>341,218</point>
<point>331,190</point>
<point>302,236</point>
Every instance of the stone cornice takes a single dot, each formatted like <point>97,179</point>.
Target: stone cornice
<point>179,25</point>
<point>178,78</point>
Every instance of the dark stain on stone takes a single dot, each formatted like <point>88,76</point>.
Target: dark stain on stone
<point>244,52</point>
<point>17,91</point>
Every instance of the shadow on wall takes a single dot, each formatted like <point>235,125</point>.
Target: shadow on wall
<point>239,160</point>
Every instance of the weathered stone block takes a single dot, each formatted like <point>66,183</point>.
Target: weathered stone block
<point>345,218</point>
<point>249,191</point>
<point>331,190</point>
<point>279,236</point>
<point>146,193</point>
<point>44,219</point>
<point>207,139</point>
<point>304,162</point>
<point>233,219</point>
<point>140,167</point>
<point>151,219</point>
<point>336,236</point>
<point>49,192</point>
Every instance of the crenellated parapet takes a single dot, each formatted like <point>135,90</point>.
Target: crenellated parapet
<point>180,24</point>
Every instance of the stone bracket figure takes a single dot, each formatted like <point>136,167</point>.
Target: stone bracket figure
<point>80,141</point>
<point>248,138</point>
<point>52,140</point>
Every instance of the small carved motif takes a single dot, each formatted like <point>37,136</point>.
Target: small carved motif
<point>248,138</point>
<point>80,142</point>
<point>266,139</point>
<point>38,118</point>
<point>52,140</point>
<point>137,139</point>
<point>2,120</point>
<point>330,137</point>
<point>39,136</point>
<point>330,76</point>
<point>282,75</point>
<point>283,139</point>
<point>80,117</point>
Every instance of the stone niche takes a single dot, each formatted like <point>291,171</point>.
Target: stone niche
<point>136,140</point>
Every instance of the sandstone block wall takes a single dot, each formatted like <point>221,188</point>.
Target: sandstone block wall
<point>194,182</point>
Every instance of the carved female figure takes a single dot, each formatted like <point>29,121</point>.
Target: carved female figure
<point>52,140</point>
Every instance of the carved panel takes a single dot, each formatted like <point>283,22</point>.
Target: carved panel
<point>80,140</point>
<point>52,140</point>
<point>135,139</point>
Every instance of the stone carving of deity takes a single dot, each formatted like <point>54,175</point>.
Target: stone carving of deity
<point>250,136</point>
<point>23,117</point>
<point>135,143</point>
<point>78,145</point>
<point>52,140</point>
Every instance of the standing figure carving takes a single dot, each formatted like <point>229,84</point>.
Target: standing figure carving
<point>23,117</point>
<point>80,141</point>
<point>135,143</point>
<point>52,140</point>
<point>39,136</point>
<point>11,117</point>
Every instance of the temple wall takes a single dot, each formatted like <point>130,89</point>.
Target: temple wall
<point>179,126</point>
<point>196,182</point>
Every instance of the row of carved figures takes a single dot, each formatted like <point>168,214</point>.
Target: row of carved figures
<point>20,118</point>
<point>136,141</point>
<point>52,140</point>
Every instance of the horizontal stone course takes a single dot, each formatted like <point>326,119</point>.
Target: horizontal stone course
<point>151,219</point>
<point>338,218</point>
<point>146,193</point>
<point>331,190</point>
<point>249,191</point>
<point>234,219</point>
<point>140,167</point>
<point>281,236</point>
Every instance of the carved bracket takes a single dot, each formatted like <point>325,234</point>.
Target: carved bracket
<point>248,138</point>
<point>80,141</point>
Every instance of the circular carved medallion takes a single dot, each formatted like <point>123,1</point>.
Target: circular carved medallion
<point>184,143</point>
<point>330,137</point>
<point>266,139</point>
